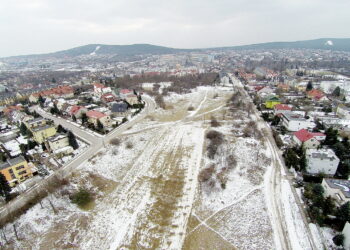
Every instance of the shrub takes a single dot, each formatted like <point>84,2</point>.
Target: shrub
<point>206,173</point>
<point>216,139</point>
<point>129,145</point>
<point>190,108</point>
<point>82,197</point>
<point>115,141</point>
<point>214,122</point>
<point>338,239</point>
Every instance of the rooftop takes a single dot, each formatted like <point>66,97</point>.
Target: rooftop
<point>11,162</point>
<point>343,185</point>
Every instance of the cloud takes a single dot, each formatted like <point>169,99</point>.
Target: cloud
<point>36,26</point>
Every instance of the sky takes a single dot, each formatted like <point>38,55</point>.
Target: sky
<point>42,26</point>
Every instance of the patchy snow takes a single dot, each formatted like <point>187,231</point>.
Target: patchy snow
<point>296,229</point>
<point>94,52</point>
<point>329,43</point>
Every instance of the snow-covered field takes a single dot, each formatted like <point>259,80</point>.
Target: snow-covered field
<point>147,194</point>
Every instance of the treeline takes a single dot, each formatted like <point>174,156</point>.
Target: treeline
<point>181,84</point>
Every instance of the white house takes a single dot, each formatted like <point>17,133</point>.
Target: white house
<point>338,189</point>
<point>294,122</point>
<point>343,111</point>
<point>308,139</point>
<point>321,161</point>
<point>59,144</point>
<point>346,233</point>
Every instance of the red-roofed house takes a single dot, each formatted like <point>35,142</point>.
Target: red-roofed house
<point>77,111</point>
<point>308,139</point>
<point>124,92</point>
<point>108,97</point>
<point>317,95</point>
<point>94,116</point>
<point>101,89</point>
<point>282,109</point>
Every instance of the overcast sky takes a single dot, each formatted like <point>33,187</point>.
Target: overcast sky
<point>38,26</point>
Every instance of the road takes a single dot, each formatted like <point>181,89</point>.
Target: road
<point>274,185</point>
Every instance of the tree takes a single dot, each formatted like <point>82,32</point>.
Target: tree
<point>74,118</point>
<point>5,188</point>
<point>23,129</point>
<point>336,92</point>
<point>2,157</point>
<point>99,125</point>
<point>309,86</point>
<point>331,136</point>
<point>53,80</point>
<point>275,120</point>
<point>84,118</point>
<point>61,129</point>
<point>291,158</point>
<point>328,205</point>
<point>72,140</point>
<point>41,101</point>
<point>43,146</point>
<point>338,239</point>
<point>343,212</point>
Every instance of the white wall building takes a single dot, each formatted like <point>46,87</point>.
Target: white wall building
<point>294,122</point>
<point>338,189</point>
<point>321,161</point>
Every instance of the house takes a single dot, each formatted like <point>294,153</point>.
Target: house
<point>119,108</point>
<point>124,92</point>
<point>59,144</point>
<point>77,111</point>
<point>108,97</point>
<point>295,122</point>
<point>343,111</point>
<point>37,122</point>
<point>283,86</point>
<point>16,170</point>
<point>95,116</point>
<point>271,101</point>
<point>308,139</point>
<point>282,109</point>
<point>321,161</point>
<point>132,99</point>
<point>317,95</point>
<point>265,91</point>
<point>41,133</point>
<point>346,233</point>
<point>100,89</point>
<point>339,189</point>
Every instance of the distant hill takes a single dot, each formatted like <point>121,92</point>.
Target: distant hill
<point>102,49</point>
<point>340,44</point>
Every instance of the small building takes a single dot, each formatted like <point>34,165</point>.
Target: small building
<point>132,99</point>
<point>100,89</point>
<point>95,116</point>
<point>295,122</point>
<point>308,139</point>
<point>77,111</point>
<point>16,170</point>
<point>321,161</point>
<point>343,111</point>
<point>119,108</point>
<point>272,101</point>
<point>58,141</point>
<point>41,133</point>
<point>282,109</point>
<point>108,97</point>
<point>338,189</point>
